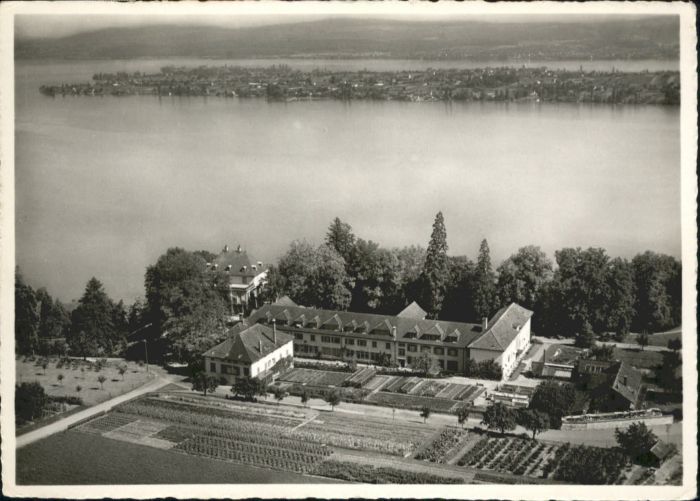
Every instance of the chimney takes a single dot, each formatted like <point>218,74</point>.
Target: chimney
<point>274,332</point>
<point>393,332</point>
<point>225,248</point>
<point>484,324</point>
<point>260,345</point>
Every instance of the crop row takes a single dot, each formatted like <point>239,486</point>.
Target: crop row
<point>169,405</point>
<point>201,447</point>
<point>368,474</point>
<point>188,417</point>
<point>107,423</point>
<point>448,439</point>
<point>376,382</point>
<point>474,455</point>
<point>348,440</point>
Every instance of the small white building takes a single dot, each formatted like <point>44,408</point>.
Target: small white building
<point>249,352</point>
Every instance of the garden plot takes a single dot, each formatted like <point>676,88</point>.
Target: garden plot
<point>428,388</point>
<point>314,377</point>
<point>106,423</point>
<point>141,432</point>
<point>411,401</point>
<point>378,382</point>
<point>581,464</point>
<point>445,444</point>
<point>353,432</point>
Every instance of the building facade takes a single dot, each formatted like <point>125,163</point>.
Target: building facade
<point>400,339</point>
<point>244,279</point>
<point>253,351</point>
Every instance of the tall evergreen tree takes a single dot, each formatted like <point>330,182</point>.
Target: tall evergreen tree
<point>26,316</point>
<point>92,328</point>
<point>485,301</point>
<point>341,238</point>
<point>658,291</point>
<point>436,270</point>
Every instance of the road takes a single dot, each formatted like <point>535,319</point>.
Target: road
<point>63,424</point>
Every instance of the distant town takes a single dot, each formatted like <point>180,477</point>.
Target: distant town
<point>283,83</point>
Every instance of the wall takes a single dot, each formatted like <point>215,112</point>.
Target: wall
<point>617,423</point>
<point>269,360</point>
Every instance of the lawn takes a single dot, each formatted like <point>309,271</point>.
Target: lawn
<point>75,458</point>
<point>81,373</point>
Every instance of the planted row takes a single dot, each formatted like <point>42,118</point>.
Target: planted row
<point>448,439</point>
<point>368,474</point>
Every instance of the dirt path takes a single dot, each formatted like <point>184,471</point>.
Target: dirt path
<point>63,424</point>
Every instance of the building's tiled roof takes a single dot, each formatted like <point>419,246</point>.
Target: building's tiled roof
<point>627,382</point>
<point>502,328</point>
<point>413,310</point>
<point>285,301</point>
<point>244,346</point>
<point>383,324</point>
<point>237,259</point>
<point>662,450</point>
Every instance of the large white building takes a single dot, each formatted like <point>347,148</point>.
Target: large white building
<point>370,338</point>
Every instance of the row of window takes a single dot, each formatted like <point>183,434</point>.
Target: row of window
<point>232,370</point>
<point>452,352</point>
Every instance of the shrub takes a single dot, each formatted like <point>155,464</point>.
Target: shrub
<point>30,401</point>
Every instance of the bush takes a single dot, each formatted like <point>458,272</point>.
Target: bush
<point>67,399</point>
<point>30,401</point>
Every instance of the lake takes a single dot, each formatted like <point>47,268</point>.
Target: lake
<point>105,185</point>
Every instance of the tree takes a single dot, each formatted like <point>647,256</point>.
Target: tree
<point>436,268</point>
<point>658,292</point>
<point>60,379</point>
<point>279,394</point>
<point>78,388</point>
<point>643,340</point>
<point>332,398</point>
<point>554,399</point>
<point>522,277</point>
<point>534,421</point>
<point>313,277</point>
<point>500,417</point>
<point>603,352</point>
<point>186,301</point>
<point>44,365</point>
<point>485,300</point>
<point>248,387</point>
<point>674,344</point>
<point>586,337</point>
<point>636,441</point>
<point>375,274</point>
<point>205,383</point>
<point>462,415</point>
<point>30,400</point>
<point>424,362</point>
<point>341,238</point>
<point>122,370</point>
<point>101,378</point>
<point>458,305</point>
<point>620,302</point>
<point>26,316</point>
<point>304,397</point>
<point>425,413</point>
<point>92,322</point>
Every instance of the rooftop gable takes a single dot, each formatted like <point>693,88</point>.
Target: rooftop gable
<point>413,310</point>
<point>249,345</point>
<point>503,328</point>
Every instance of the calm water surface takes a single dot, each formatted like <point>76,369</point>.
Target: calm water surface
<point>105,185</point>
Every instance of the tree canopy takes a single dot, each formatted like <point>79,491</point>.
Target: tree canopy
<point>500,417</point>
<point>554,399</point>
<point>184,303</point>
<point>636,441</point>
<point>26,316</point>
<point>96,327</point>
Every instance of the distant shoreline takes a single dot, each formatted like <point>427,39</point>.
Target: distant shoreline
<point>286,83</point>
